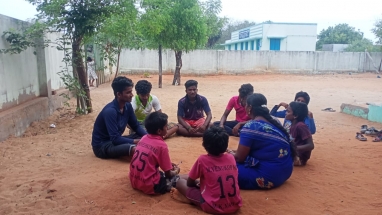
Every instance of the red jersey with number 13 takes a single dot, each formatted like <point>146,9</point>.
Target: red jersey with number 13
<point>151,153</point>
<point>218,183</point>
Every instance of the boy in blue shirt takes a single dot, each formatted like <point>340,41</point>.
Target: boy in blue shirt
<point>107,139</point>
<point>300,97</point>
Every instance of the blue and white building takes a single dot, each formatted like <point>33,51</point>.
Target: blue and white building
<point>275,36</point>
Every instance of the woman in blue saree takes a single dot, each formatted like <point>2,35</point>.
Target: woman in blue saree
<point>264,155</point>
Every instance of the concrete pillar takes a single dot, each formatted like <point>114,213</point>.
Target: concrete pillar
<point>44,76</point>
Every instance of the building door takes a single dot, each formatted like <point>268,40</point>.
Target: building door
<point>258,44</point>
<point>229,47</point>
<point>241,46</point>
<point>275,44</point>
<point>246,46</point>
<point>252,45</point>
<point>235,46</point>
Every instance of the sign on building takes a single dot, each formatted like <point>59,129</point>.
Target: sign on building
<point>244,34</point>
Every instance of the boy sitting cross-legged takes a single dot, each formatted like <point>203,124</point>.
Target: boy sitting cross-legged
<point>150,154</point>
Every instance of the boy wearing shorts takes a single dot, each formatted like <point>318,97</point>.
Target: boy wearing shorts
<point>190,112</point>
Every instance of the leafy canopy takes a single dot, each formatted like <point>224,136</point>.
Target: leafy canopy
<point>175,24</point>
<point>339,34</point>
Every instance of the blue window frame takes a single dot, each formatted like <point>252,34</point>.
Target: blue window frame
<point>275,44</point>
<point>258,44</point>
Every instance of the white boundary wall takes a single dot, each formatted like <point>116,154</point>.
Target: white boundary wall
<point>221,61</point>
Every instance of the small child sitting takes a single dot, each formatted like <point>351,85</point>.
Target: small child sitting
<point>300,97</point>
<point>150,154</point>
<point>217,192</point>
<point>299,131</point>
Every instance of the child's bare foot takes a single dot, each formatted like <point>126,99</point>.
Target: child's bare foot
<point>297,162</point>
<point>178,196</point>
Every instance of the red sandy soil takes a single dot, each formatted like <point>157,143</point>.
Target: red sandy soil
<point>54,171</point>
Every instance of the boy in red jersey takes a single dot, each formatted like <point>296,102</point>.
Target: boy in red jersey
<point>217,192</point>
<point>150,154</point>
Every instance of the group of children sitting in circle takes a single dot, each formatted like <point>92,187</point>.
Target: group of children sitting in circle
<point>264,158</point>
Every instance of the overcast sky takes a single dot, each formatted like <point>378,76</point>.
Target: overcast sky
<point>360,14</point>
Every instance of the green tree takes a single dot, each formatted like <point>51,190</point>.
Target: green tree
<point>339,34</point>
<point>154,22</point>
<point>178,25</point>
<point>362,45</point>
<point>377,30</point>
<point>231,26</point>
<point>117,32</point>
<point>215,24</point>
<point>77,20</point>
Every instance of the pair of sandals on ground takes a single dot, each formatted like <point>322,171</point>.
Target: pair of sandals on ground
<point>370,132</point>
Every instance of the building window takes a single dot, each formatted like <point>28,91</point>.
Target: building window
<point>246,46</point>
<point>235,46</point>
<point>241,46</point>
<point>229,47</point>
<point>252,45</point>
<point>274,44</point>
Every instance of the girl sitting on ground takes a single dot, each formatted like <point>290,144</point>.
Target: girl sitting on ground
<point>217,190</point>
<point>299,131</point>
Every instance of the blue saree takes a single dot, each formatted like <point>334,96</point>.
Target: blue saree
<point>269,162</point>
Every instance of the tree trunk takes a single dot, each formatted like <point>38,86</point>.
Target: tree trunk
<point>80,68</point>
<point>119,54</point>
<point>160,66</point>
<point>178,58</point>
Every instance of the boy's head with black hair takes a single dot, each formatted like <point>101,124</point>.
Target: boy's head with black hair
<point>191,88</point>
<point>302,97</point>
<point>215,140</point>
<point>297,111</point>
<point>89,59</point>
<point>143,89</point>
<point>245,91</point>
<point>156,123</point>
<point>123,88</point>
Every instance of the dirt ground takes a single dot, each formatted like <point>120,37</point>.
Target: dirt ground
<point>54,171</point>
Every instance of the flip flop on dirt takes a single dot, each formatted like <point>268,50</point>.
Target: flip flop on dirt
<point>360,137</point>
<point>329,110</point>
<point>378,138</point>
<point>371,131</point>
<point>363,129</point>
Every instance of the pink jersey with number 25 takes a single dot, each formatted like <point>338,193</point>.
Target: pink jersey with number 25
<point>151,153</point>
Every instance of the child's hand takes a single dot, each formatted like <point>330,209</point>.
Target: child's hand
<point>192,130</point>
<point>232,152</point>
<point>285,105</point>
<point>310,114</point>
<point>235,130</point>
<point>202,128</point>
<point>176,169</point>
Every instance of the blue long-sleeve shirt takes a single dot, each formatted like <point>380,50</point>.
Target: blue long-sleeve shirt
<point>281,114</point>
<point>111,123</point>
